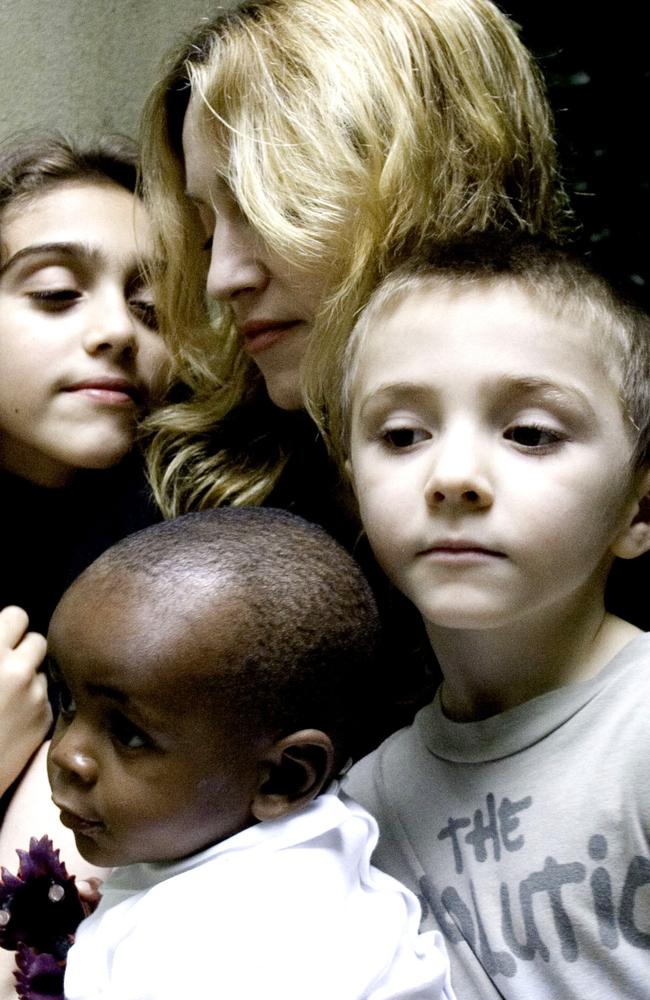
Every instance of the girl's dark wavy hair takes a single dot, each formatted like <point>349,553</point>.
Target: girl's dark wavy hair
<point>31,162</point>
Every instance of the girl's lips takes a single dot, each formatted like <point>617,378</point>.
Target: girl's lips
<point>110,397</point>
<point>109,391</point>
<point>260,335</point>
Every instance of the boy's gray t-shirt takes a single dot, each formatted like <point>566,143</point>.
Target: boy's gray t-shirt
<point>526,836</point>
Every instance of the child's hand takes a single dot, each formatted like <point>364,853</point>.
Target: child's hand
<point>25,713</point>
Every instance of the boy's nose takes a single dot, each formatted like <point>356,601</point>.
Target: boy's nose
<point>459,476</point>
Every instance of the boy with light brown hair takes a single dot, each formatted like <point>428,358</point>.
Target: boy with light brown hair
<point>495,426</point>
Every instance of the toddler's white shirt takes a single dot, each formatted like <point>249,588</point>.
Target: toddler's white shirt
<point>289,909</point>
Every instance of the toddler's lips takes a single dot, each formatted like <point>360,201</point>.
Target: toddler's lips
<point>79,824</point>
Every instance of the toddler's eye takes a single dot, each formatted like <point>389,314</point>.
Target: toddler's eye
<point>532,436</point>
<point>403,437</point>
<point>127,734</point>
<point>65,703</point>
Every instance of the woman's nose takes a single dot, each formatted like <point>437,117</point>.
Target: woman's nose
<point>236,262</point>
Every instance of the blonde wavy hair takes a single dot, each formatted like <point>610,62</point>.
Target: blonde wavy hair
<point>348,131</point>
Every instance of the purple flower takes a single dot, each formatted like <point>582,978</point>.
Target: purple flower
<point>40,906</point>
<point>38,977</point>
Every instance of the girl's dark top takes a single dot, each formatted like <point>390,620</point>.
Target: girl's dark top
<point>50,535</point>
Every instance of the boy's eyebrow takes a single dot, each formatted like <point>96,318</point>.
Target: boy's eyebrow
<point>505,385</point>
<point>531,384</point>
<point>64,249</point>
<point>396,390</point>
<point>560,393</point>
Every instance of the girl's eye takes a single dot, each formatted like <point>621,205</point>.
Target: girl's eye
<point>207,246</point>
<point>128,735</point>
<point>145,312</point>
<point>55,299</point>
<point>403,437</point>
<point>532,436</point>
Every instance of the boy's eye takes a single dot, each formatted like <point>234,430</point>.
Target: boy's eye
<point>403,437</point>
<point>127,734</point>
<point>532,436</point>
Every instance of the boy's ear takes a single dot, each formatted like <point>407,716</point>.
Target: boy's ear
<point>295,770</point>
<point>634,539</point>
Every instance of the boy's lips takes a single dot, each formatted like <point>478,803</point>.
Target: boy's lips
<point>260,334</point>
<point>460,549</point>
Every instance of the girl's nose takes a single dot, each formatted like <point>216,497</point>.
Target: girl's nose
<point>111,327</point>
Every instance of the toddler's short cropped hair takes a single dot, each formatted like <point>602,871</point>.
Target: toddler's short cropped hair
<point>559,283</point>
<point>304,625</point>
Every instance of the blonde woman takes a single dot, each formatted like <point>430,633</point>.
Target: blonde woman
<point>294,150</point>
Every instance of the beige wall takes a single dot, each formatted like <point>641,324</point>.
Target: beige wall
<point>85,66</point>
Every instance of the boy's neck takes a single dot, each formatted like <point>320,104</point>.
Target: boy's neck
<point>488,671</point>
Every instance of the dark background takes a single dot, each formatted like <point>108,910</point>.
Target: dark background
<point>596,64</point>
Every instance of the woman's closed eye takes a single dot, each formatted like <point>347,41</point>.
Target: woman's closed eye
<point>145,312</point>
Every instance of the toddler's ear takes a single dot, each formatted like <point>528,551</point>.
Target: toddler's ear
<point>294,771</point>
<point>634,539</point>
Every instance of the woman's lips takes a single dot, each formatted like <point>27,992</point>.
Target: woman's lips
<point>260,335</point>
